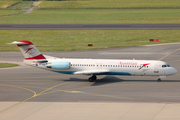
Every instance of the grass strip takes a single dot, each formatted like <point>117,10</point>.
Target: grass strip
<point>63,40</point>
<point>8,12</point>
<point>79,16</point>
<point>5,65</point>
<point>109,4</point>
<point>21,5</point>
<point>7,3</point>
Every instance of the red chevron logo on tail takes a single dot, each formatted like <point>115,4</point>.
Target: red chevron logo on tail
<point>28,49</point>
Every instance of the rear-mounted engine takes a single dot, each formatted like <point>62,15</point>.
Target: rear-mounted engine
<point>59,65</point>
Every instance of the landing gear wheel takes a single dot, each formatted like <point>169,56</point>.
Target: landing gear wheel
<point>94,77</point>
<point>159,80</point>
<point>91,79</point>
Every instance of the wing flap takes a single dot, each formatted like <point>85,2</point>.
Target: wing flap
<point>93,71</point>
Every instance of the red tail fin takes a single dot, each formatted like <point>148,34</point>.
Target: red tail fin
<point>29,51</point>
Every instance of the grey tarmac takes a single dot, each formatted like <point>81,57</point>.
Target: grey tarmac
<point>125,26</point>
<point>31,93</point>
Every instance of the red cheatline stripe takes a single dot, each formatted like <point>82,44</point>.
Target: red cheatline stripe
<point>36,57</point>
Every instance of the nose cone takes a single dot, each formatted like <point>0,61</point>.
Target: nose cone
<point>172,71</point>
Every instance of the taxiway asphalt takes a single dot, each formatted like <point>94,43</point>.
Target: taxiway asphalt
<point>26,88</point>
<point>89,26</point>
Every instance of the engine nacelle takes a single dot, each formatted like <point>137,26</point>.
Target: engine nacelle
<point>59,65</point>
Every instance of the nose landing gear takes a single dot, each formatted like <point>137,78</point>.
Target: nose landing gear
<point>159,80</point>
<point>93,78</point>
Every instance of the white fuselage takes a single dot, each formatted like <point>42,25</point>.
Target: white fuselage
<point>111,67</point>
<point>93,67</point>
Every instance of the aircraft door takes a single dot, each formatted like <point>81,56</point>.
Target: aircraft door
<point>156,69</point>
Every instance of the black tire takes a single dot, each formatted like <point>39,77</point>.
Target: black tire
<point>159,80</point>
<point>90,79</point>
<point>94,77</point>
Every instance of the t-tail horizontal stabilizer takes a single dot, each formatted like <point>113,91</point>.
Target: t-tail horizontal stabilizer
<point>29,51</point>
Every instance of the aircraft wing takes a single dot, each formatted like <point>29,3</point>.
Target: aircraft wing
<point>93,71</point>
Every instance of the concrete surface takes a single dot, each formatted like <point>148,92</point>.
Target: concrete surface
<point>88,26</point>
<point>31,93</point>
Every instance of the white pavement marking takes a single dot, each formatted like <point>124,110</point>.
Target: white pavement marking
<point>90,111</point>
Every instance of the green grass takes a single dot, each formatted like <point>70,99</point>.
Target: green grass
<point>6,3</point>
<point>21,5</point>
<point>14,7</point>
<point>8,12</point>
<point>79,4</point>
<point>77,16</point>
<point>62,40</point>
<point>5,65</point>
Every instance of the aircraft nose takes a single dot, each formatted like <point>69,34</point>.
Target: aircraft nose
<point>173,71</point>
<point>170,71</point>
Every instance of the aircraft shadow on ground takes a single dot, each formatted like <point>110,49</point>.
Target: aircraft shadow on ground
<point>103,81</point>
<point>113,79</point>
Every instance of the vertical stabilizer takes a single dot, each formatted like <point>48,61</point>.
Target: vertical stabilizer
<point>29,51</point>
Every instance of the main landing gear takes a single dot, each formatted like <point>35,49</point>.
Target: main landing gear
<point>159,80</point>
<point>93,78</point>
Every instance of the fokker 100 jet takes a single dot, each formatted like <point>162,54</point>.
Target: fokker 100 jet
<point>93,67</point>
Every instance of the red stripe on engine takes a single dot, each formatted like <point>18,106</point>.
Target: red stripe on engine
<point>36,57</point>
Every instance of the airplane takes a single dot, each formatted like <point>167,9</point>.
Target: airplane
<point>93,67</point>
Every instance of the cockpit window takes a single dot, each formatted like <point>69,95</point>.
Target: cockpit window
<point>165,65</point>
<point>168,65</point>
